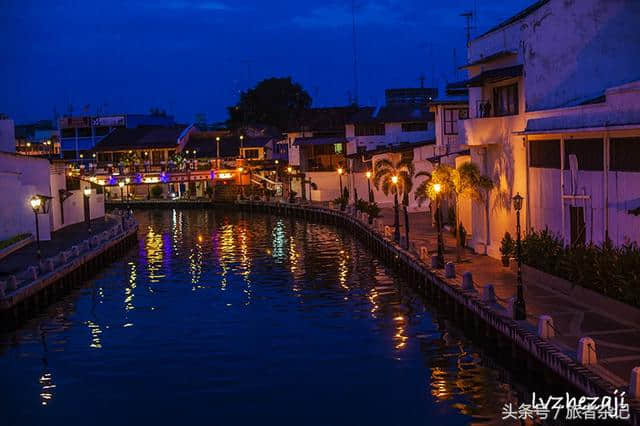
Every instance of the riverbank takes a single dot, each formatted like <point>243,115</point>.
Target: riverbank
<point>488,305</point>
<point>28,285</point>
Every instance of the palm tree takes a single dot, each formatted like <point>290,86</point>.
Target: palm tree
<point>465,182</point>
<point>397,179</point>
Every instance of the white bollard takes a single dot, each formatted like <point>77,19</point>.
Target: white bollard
<point>545,327</point>
<point>634,383</point>
<point>450,270</point>
<point>488,294</point>
<point>424,254</point>
<point>467,281</point>
<point>32,273</point>
<point>587,351</point>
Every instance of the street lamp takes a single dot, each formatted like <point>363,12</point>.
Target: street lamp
<point>35,203</point>
<point>519,308</point>
<point>340,171</point>
<point>437,188</point>
<point>217,152</point>
<point>396,217</point>
<point>369,186</point>
<point>87,209</point>
<point>121,185</point>
<point>241,146</point>
<point>240,170</point>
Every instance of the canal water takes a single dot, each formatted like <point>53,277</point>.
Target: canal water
<point>229,318</point>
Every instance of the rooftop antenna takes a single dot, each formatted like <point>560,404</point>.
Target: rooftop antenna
<point>468,16</point>
<point>355,57</point>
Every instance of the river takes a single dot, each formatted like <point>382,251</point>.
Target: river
<point>230,318</point>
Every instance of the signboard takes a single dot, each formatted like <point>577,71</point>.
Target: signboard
<point>109,121</point>
<point>75,122</point>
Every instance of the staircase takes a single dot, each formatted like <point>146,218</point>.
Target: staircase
<point>226,193</point>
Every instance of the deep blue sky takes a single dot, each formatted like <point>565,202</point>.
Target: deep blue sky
<point>191,56</point>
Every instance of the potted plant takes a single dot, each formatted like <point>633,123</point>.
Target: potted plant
<point>373,211</point>
<point>506,248</point>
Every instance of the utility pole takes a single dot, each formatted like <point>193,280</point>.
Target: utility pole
<point>355,56</point>
<point>468,16</point>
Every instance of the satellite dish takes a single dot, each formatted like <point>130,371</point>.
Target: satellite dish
<point>573,168</point>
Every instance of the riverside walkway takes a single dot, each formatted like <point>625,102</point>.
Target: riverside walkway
<point>617,338</point>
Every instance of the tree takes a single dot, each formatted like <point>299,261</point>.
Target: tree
<point>385,173</point>
<point>274,101</point>
<point>465,182</point>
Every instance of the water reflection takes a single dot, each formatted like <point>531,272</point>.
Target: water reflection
<point>240,308</point>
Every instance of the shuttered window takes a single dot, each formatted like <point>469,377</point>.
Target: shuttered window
<point>545,154</point>
<point>624,154</point>
<point>588,152</point>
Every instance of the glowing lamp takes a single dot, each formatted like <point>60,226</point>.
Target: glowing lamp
<point>437,188</point>
<point>87,192</point>
<point>340,171</point>
<point>517,201</point>
<point>368,175</point>
<point>121,184</point>
<point>394,179</point>
<point>35,203</point>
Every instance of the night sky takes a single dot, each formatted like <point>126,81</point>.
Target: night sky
<point>194,56</point>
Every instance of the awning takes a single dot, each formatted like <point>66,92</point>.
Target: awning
<point>609,120</point>
<point>318,141</point>
<point>491,58</point>
<point>495,75</point>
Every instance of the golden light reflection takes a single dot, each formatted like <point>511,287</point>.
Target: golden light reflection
<point>195,265</point>
<point>95,334</point>
<point>278,241</point>
<point>226,249</point>
<point>343,269</point>
<point>154,246</point>
<point>399,338</point>
<point>47,385</point>
<point>128,291</point>
<point>245,260</point>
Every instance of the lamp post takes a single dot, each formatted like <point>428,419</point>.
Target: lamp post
<point>240,170</point>
<point>217,152</point>
<point>121,185</point>
<point>519,307</point>
<point>340,171</point>
<point>35,203</point>
<point>437,188</point>
<point>241,146</point>
<point>396,217</point>
<point>368,174</point>
<point>87,209</point>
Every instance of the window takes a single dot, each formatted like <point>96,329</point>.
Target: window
<point>251,153</point>
<point>450,121</point>
<point>505,100</point>
<point>415,127</point>
<point>588,152</point>
<point>101,131</point>
<point>337,148</point>
<point>373,129</point>
<point>68,133</point>
<point>544,154</point>
<point>624,154</point>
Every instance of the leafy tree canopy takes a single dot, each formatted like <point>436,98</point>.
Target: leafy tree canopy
<point>274,101</point>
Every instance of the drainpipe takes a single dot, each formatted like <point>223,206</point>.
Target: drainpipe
<point>605,162</point>
<point>564,238</point>
<point>528,195</point>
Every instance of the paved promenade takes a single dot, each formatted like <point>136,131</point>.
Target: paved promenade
<point>17,262</point>
<point>617,341</point>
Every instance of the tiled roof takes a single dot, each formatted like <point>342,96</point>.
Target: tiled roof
<point>393,114</point>
<point>492,76</point>
<point>140,138</point>
<point>319,141</point>
<point>323,119</point>
<point>520,15</point>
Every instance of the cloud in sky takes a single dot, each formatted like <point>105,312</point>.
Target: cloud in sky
<point>336,15</point>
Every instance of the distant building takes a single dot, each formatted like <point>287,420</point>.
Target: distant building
<point>410,96</point>
<point>40,139</point>
<point>80,134</point>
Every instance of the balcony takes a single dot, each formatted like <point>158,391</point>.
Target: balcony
<point>490,130</point>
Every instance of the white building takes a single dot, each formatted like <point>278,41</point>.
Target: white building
<point>554,114</point>
<point>22,177</point>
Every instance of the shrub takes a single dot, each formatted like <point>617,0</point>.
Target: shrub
<point>13,240</point>
<point>507,246</point>
<point>362,205</point>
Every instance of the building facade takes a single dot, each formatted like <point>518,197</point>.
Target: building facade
<point>554,116</point>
